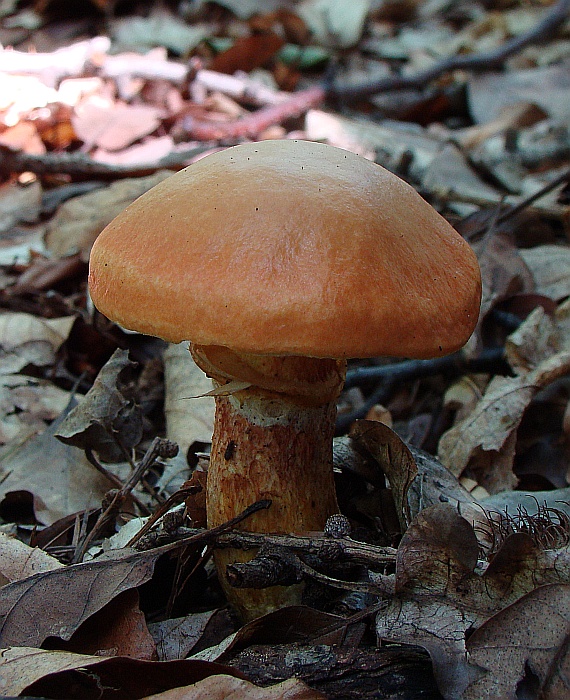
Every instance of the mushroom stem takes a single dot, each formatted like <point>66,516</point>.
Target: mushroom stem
<point>270,444</point>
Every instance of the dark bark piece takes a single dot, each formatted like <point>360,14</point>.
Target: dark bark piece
<point>340,673</point>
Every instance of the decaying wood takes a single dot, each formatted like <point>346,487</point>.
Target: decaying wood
<point>343,671</point>
<point>487,60</point>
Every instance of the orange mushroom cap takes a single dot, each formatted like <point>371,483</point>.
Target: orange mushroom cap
<point>288,248</point>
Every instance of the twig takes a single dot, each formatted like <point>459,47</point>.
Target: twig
<point>490,360</point>
<point>78,165</point>
<point>253,124</point>
<point>522,205</point>
<point>474,62</point>
<point>325,549</point>
<point>158,448</point>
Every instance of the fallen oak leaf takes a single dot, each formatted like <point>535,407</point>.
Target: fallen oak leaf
<point>531,633</point>
<point>440,598</point>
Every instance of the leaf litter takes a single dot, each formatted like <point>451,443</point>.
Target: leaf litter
<point>90,122</point>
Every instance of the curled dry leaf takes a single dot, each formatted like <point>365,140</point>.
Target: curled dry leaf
<point>118,629</point>
<point>393,457</point>
<point>105,416</point>
<point>40,673</point>
<point>228,688</point>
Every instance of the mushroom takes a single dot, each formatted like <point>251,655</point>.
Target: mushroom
<point>279,260</point>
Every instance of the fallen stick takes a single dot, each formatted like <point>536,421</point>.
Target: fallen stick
<point>255,123</point>
<point>78,165</point>
<point>486,60</point>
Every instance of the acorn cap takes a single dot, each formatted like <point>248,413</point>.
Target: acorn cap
<point>288,248</point>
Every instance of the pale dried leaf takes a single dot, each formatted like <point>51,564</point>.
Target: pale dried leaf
<point>59,477</point>
<point>334,23</point>
<point>229,688</point>
<point>22,666</point>
<point>188,419</point>
<point>159,29</point>
<point>550,267</point>
<point>489,426</point>
<point>175,638</point>
<point>449,173</point>
<point>490,92</point>
<point>534,340</point>
<point>27,339</point>
<point>19,204</point>
<point>80,220</point>
<point>26,404</point>
<point>18,560</point>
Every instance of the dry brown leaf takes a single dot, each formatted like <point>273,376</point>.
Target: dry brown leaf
<point>22,666</point>
<point>118,629</point>
<point>80,220</point>
<point>63,599</point>
<point>18,561</point>
<point>492,425</point>
<point>58,477</point>
<point>229,688</point>
<point>533,634</point>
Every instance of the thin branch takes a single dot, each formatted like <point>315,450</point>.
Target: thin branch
<point>252,125</point>
<point>486,60</point>
<point>457,364</point>
<point>80,166</point>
